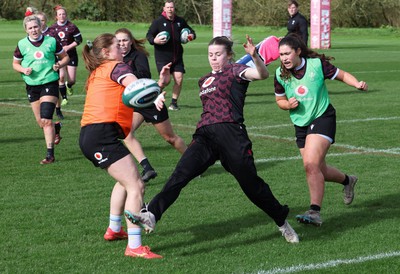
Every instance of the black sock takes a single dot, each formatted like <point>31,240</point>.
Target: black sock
<point>63,91</point>
<point>50,152</point>
<point>346,180</point>
<point>58,110</point>
<point>68,85</point>
<point>146,164</point>
<point>174,101</point>
<point>57,127</point>
<point>315,207</point>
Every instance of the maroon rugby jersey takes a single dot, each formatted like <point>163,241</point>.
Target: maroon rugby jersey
<point>222,95</point>
<point>120,71</point>
<point>49,31</point>
<point>67,34</point>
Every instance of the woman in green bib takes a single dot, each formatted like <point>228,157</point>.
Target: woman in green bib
<point>35,59</point>
<point>300,88</point>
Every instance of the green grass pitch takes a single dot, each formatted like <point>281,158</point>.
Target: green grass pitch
<point>53,217</point>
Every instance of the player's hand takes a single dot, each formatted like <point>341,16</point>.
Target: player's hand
<point>56,66</point>
<point>165,76</point>
<point>249,46</point>
<point>27,71</point>
<point>160,40</point>
<point>293,103</point>
<point>362,86</point>
<point>159,101</point>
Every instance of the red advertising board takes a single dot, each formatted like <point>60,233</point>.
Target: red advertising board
<point>320,24</point>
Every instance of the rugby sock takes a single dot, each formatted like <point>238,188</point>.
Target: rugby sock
<point>174,101</point>
<point>315,207</point>
<point>68,85</point>
<point>146,164</point>
<point>115,222</point>
<point>134,237</point>
<point>58,110</point>
<point>50,152</point>
<point>346,180</point>
<point>57,127</point>
<point>63,91</point>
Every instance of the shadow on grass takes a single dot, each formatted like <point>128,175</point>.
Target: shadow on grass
<point>363,214</point>
<point>215,232</point>
<point>8,100</point>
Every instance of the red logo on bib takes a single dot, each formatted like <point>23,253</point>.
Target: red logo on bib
<point>301,90</point>
<point>38,55</point>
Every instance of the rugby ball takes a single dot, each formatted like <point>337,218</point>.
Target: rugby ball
<point>164,34</point>
<point>141,93</point>
<point>184,35</point>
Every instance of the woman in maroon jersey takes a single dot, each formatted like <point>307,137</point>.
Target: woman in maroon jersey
<point>221,135</point>
<point>48,32</point>
<point>70,37</point>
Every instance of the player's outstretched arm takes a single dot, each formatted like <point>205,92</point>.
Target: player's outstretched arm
<point>351,80</point>
<point>260,71</point>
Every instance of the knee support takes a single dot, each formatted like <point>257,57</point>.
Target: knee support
<point>47,110</point>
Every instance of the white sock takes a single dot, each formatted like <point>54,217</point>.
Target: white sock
<point>115,222</point>
<point>134,237</point>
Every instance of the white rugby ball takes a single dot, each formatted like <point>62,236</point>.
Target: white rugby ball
<point>164,34</point>
<point>184,35</point>
<point>141,93</point>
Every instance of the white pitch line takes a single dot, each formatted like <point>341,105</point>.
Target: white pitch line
<point>361,150</point>
<point>281,159</point>
<point>338,121</point>
<point>358,150</point>
<point>332,263</point>
<point>29,106</point>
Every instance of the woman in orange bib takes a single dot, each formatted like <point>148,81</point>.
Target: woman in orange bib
<point>106,121</point>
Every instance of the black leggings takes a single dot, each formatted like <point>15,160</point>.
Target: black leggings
<point>230,144</point>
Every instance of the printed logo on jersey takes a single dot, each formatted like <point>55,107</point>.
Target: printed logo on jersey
<point>206,83</point>
<point>312,76</point>
<point>61,34</point>
<point>165,24</point>
<point>301,91</point>
<point>99,157</point>
<point>179,24</point>
<point>38,55</point>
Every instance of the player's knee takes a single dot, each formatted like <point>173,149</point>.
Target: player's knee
<point>47,110</point>
<point>170,139</point>
<point>47,123</point>
<point>178,82</point>
<point>311,168</point>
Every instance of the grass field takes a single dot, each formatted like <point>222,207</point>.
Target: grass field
<point>53,217</point>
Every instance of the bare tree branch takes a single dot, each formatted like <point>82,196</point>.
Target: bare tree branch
<point>197,13</point>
